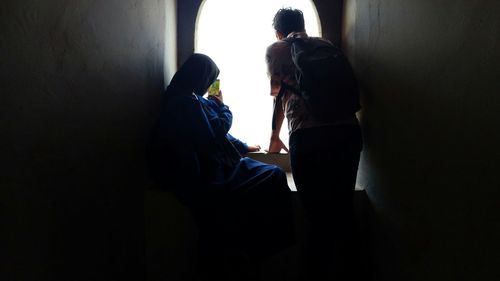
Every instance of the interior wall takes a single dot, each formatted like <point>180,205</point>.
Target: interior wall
<point>80,81</point>
<point>170,233</point>
<point>428,72</point>
<point>330,14</point>
<point>170,40</point>
<point>187,11</point>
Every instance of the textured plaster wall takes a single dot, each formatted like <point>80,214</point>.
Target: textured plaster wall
<point>80,81</point>
<point>429,73</point>
<point>170,234</point>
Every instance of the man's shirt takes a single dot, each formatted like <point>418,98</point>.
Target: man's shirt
<point>280,67</point>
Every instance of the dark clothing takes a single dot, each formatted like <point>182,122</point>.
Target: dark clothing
<point>324,163</point>
<point>237,202</point>
<point>241,146</point>
<point>324,157</point>
<point>215,109</point>
<point>194,76</point>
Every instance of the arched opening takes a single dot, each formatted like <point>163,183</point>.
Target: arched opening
<point>235,35</point>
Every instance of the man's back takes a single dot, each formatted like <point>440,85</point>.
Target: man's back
<point>324,155</point>
<point>325,79</point>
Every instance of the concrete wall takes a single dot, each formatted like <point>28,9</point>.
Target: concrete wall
<point>430,89</point>
<point>170,234</point>
<point>80,81</point>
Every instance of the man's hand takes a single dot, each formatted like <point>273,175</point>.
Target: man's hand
<point>276,145</point>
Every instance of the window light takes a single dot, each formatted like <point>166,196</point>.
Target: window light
<point>235,35</point>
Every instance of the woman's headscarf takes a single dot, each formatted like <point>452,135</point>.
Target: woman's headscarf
<point>194,76</point>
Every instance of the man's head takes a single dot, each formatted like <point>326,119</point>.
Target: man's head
<point>288,20</point>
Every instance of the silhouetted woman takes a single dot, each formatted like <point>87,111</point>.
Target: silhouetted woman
<point>238,203</point>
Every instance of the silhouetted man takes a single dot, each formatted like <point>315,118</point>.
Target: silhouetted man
<point>324,157</point>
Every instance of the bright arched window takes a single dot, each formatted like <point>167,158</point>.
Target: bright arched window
<point>235,34</point>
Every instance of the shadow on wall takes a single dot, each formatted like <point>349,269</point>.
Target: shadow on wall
<point>375,238</point>
<point>171,238</point>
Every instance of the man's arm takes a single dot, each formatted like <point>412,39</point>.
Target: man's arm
<point>276,53</point>
<point>276,144</point>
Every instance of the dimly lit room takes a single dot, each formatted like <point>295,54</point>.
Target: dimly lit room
<point>82,84</point>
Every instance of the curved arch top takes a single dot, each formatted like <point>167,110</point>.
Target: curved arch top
<point>235,35</point>
<point>256,14</point>
<point>329,12</point>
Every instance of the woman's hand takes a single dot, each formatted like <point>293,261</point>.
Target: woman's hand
<point>253,148</point>
<point>218,98</point>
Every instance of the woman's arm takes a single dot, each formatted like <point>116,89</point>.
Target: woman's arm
<point>238,144</point>
<point>219,115</point>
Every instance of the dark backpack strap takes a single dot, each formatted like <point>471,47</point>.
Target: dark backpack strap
<point>287,87</point>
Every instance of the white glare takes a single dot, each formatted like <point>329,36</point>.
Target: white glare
<point>235,34</point>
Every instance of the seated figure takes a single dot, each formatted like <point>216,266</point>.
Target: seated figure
<point>237,202</point>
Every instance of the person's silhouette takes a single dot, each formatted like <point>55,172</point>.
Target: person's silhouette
<point>324,157</point>
<point>238,203</point>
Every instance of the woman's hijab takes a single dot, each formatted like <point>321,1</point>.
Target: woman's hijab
<point>194,76</point>
<point>182,129</point>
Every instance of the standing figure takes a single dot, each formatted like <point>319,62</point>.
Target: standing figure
<point>324,156</point>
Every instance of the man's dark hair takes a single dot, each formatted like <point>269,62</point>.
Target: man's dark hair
<point>288,20</point>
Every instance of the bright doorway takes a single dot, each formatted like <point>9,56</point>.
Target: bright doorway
<point>235,34</point>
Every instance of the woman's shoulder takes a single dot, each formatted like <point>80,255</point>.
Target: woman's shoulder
<point>178,104</point>
<point>181,100</point>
